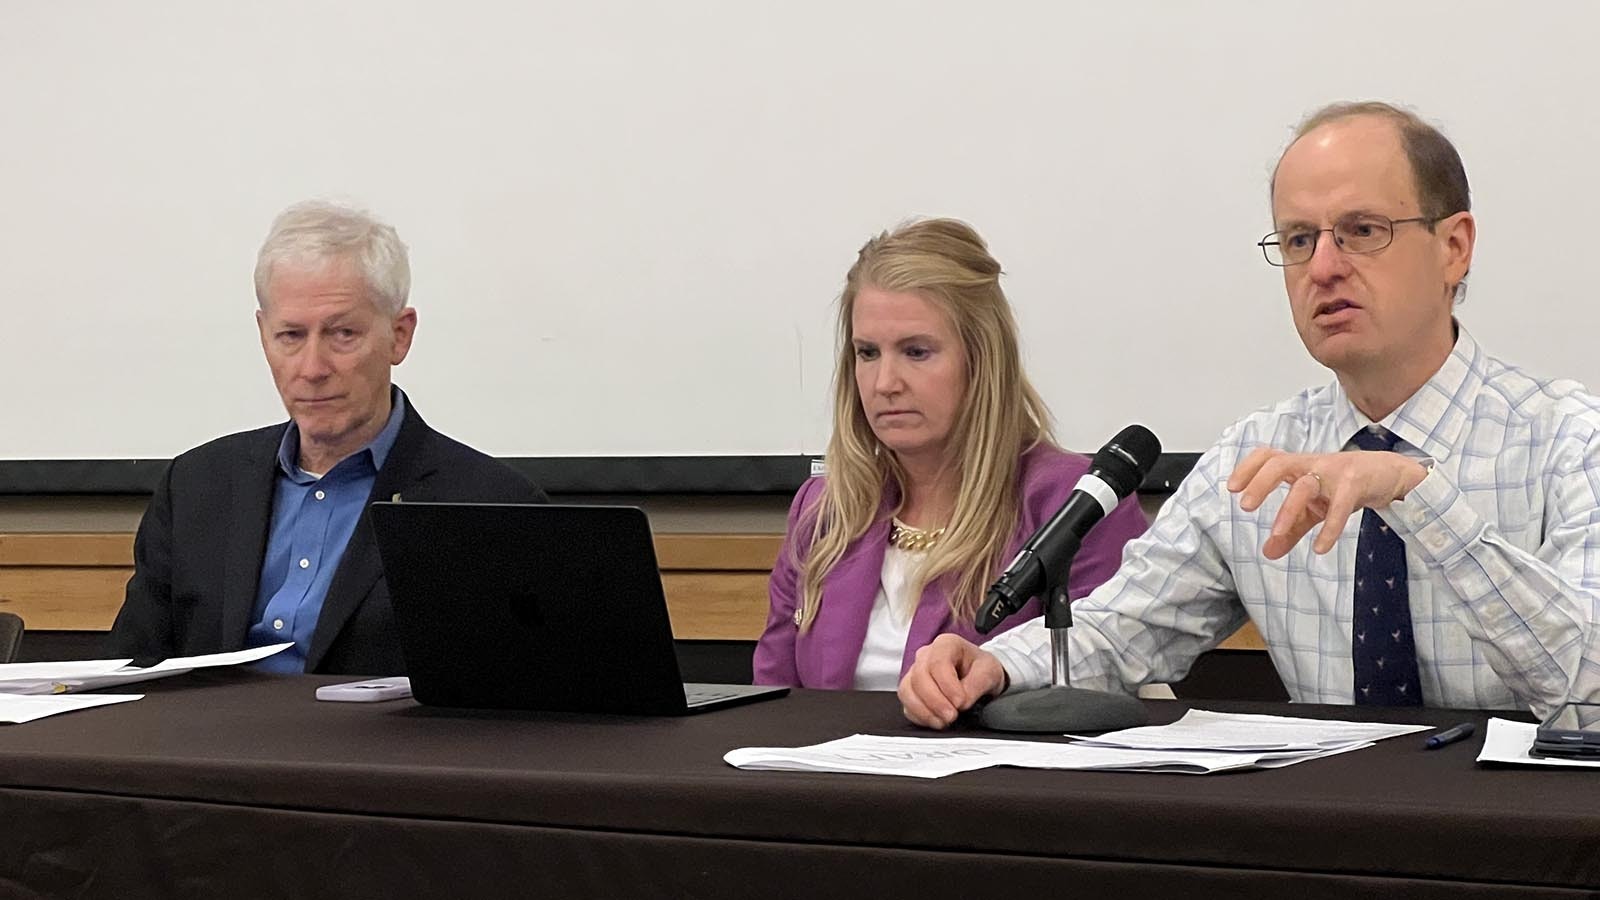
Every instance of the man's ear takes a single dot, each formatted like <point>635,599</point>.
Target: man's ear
<point>1458,234</point>
<point>405,328</point>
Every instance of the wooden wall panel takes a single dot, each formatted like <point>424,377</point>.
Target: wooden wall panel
<point>716,606</point>
<point>66,550</point>
<point>716,584</point>
<point>1246,638</point>
<point>63,598</point>
<point>717,552</point>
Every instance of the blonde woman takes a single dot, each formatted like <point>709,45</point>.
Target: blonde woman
<point>940,466</point>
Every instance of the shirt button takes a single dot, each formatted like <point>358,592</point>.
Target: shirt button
<point>305,563</point>
<point>320,495</point>
<point>277,624</point>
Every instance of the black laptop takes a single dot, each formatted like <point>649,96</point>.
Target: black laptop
<point>537,607</point>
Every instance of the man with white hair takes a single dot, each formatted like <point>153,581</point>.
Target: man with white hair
<point>261,537</point>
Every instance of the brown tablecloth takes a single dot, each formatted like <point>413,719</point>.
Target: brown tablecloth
<point>241,784</point>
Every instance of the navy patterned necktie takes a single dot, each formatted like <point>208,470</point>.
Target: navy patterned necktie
<point>1382,648</point>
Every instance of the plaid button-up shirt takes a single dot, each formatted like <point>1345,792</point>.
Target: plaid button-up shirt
<point>1502,550</point>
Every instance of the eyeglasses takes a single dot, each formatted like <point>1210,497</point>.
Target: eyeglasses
<point>1355,233</point>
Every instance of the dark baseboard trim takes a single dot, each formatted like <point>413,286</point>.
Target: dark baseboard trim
<point>557,475</point>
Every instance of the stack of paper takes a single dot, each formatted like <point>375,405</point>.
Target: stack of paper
<point>31,691</point>
<point>1199,743</point>
<point>1509,742</point>
<point>1201,729</point>
<point>87,675</point>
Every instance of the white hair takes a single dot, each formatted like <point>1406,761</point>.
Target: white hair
<point>316,232</point>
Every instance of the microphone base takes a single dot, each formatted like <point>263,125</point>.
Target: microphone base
<point>1062,710</point>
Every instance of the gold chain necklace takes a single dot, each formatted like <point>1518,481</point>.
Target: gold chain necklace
<point>912,540</point>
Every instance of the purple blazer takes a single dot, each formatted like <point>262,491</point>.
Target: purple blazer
<point>825,656</point>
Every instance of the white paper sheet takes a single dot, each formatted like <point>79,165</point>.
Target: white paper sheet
<point>1508,742</point>
<point>16,709</point>
<point>868,754</point>
<point>232,658</point>
<point>1205,730</point>
<point>938,757</point>
<point>94,674</point>
<point>77,668</point>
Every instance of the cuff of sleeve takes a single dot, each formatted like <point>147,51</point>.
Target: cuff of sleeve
<point>1022,670</point>
<point>1436,518</point>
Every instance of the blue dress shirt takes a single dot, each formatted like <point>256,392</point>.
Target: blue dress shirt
<point>312,520</point>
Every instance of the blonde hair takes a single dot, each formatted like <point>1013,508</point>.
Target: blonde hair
<point>1002,416</point>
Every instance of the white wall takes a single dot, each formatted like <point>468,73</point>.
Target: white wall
<point>628,220</point>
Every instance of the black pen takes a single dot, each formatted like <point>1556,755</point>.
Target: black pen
<point>1449,736</point>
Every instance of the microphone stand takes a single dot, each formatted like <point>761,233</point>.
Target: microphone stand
<point>1061,708</point>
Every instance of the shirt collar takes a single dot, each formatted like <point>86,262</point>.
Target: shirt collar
<point>1433,418</point>
<point>377,450</point>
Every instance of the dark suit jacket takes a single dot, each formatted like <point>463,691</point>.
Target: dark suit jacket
<point>198,553</point>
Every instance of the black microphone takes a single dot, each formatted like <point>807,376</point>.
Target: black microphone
<point>1116,472</point>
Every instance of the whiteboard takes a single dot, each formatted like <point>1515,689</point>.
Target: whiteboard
<point>629,220</point>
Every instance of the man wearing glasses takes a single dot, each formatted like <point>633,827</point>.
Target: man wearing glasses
<point>1452,502</point>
